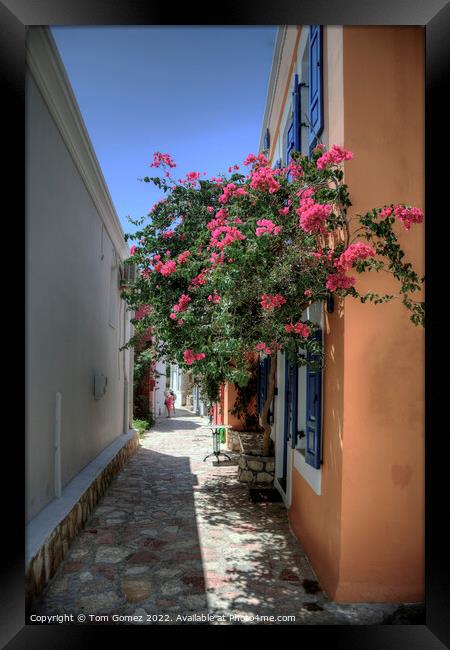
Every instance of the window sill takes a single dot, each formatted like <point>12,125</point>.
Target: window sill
<point>311,475</point>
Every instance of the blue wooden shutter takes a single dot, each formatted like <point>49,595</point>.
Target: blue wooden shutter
<point>313,411</point>
<point>296,100</point>
<point>262,382</point>
<point>290,402</point>
<point>293,132</point>
<point>289,142</point>
<point>267,139</point>
<point>268,366</point>
<point>315,85</point>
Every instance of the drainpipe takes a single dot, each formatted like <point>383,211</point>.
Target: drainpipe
<point>57,446</point>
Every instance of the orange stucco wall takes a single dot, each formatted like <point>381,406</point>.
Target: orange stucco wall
<point>230,393</point>
<point>365,533</point>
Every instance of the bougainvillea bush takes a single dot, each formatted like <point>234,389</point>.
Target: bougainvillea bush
<point>228,265</point>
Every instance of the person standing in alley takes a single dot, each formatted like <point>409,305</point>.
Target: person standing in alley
<point>174,397</point>
<point>168,403</point>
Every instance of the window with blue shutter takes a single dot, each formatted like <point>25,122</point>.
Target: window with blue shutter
<point>313,410</point>
<point>289,142</point>
<point>267,139</point>
<point>315,85</point>
<point>293,132</point>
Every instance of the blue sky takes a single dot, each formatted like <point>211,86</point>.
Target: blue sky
<point>197,93</point>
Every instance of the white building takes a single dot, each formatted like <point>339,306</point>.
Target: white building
<point>78,382</point>
<point>159,393</point>
<point>179,383</point>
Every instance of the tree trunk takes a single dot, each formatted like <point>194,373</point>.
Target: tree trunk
<point>265,411</point>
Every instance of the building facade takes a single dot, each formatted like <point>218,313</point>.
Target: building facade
<point>78,381</point>
<point>350,439</point>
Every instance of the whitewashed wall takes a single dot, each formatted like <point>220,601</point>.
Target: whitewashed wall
<point>76,321</point>
<point>160,389</point>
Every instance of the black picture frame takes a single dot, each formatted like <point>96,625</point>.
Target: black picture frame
<point>434,15</point>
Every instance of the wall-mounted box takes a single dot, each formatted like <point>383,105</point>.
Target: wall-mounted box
<point>100,384</point>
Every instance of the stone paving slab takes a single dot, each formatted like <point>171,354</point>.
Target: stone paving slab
<point>175,536</point>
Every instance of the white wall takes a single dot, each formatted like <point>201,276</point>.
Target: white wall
<point>160,388</point>
<point>72,331</point>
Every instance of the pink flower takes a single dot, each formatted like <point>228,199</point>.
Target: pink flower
<point>294,169</point>
<point>220,219</point>
<point>334,156</point>
<point>199,279</point>
<point>266,226</point>
<point>168,234</point>
<point>167,268</point>
<point>210,208</point>
<point>270,301</point>
<point>256,161</point>
<point>313,215</point>
<point>217,258</point>
<point>357,251</point>
<point>339,281</point>
<point>298,328</point>
<point>231,234</point>
<point>162,159</point>
<point>182,257</point>
<point>133,249</point>
<point>385,212</point>
<point>284,211</point>
<point>182,304</point>
<point>214,298</point>
<point>189,356</point>
<point>180,322</point>
<point>231,190</point>
<point>173,316</point>
<point>408,215</point>
<point>263,179</point>
<point>263,347</point>
<point>308,293</point>
<point>191,179</point>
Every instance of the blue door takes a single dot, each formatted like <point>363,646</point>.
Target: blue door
<point>313,411</point>
<point>262,384</point>
<point>290,412</point>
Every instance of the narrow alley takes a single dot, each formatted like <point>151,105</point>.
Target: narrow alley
<point>175,537</point>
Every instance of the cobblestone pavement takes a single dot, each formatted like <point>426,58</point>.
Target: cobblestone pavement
<point>174,536</point>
